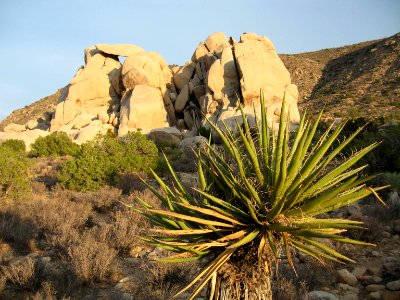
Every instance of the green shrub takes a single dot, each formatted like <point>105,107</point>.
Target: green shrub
<point>14,174</point>
<point>14,145</point>
<point>386,157</point>
<point>103,160</point>
<point>88,171</point>
<point>55,144</point>
<point>393,179</point>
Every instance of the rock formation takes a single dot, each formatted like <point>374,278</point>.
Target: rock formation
<point>145,94</point>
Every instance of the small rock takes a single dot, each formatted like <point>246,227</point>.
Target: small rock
<point>321,295</point>
<point>375,253</point>
<point>375,270</point>
<point>393,285</point>
<point>351,296</point>
<point>374,287</point>
<point>345,276</point>
<point>375,295</point>
<point>359,271</point>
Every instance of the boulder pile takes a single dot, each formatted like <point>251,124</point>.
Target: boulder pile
<point>144,93</point>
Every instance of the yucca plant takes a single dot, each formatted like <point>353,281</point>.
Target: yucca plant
<point>258,200</point>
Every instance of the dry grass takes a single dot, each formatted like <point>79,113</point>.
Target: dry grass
<point>91,260</point>
<point>162,281</point>
<point>121,231</point>
<point>285,289</point>
<point>20,273</point>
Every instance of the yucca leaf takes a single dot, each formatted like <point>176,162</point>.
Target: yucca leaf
<point>190,218</point>
<point>287,250</point>
<point>177,260</point>
<point>247,239</point>
<point>176,179</point>
<point>210,269</point>
<point>328,250</point>
<point>212,213</point>
<point>317,254</point>
<point>184,232</point>
<point>224,204</point>
<point>234,236</point>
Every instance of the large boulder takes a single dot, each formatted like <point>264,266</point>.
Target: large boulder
<point>168,136</point>
<point>262,71</point>
<point>141,70</point>
<point>13,127</point>
<point>216,43</point>
<point>142,109</point>
<point>119,49</point>
<point>223,79</point>
<point>94,89</point>
<point>184,74</point>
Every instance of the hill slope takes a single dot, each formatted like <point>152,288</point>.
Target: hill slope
<point>360,80</point>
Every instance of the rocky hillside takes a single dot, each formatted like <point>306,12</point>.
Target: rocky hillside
<point>42,108</point>
<point>361,80</point>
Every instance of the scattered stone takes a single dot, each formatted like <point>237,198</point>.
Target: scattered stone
<point>168,136</point>
<point>393,285</point>
<point>359,271</point>
<point>321,295</point>
<point>374,287</point>
<point>344,276</point>
<point>375,295</point>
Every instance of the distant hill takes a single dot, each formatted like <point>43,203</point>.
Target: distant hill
<point>360,80</point>
<point>42,108</point>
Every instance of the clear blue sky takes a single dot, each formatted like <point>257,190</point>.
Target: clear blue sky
<point>42,41</point>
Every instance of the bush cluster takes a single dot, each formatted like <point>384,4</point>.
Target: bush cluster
<point>14,172</point>
<point>103,160</point>
<point>55,144</point>
<point>14,145</point>
<point>386,157</point>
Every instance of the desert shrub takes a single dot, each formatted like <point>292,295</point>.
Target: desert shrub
<point>393,179</point>
<point>131,153</point>
<point>121,232</point>
<point>285,289</point>
<point>89,171</point>
<point>14,145</point>
<point>91,260</point>
<point>55,144</point>
<point>163,281</point>
<point>103,160</point>
<point>14,174</point>
<point>385,158</point>
<point>20,273</point>
<point>47,292</point>
<point>16,226</point>
<point>102,201</point>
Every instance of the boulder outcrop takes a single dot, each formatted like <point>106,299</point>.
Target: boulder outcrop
<point>144,93</point>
